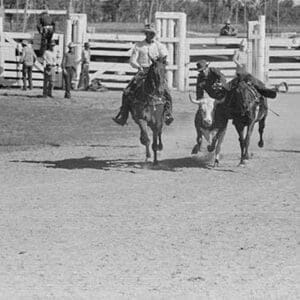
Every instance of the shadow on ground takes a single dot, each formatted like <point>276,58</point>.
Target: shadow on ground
<point>118,164</point>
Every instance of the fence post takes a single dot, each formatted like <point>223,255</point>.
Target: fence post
<point>261,48</point>
<point>181,52</point>
<point>1,41</point>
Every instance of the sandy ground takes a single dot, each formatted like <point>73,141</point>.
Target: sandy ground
<point>82,216</point>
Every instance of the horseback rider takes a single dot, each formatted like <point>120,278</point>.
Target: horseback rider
<point>46,28</point>
<point>140,59</point>
<point>210,80</point>
<point>242,75</point>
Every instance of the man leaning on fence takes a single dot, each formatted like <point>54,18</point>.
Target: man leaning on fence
<point>50,62</point>
<point>140,59</point>
<point>28,59</point>
<point>46,28</point>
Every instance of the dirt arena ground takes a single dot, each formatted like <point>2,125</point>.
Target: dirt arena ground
<point>84,217</point>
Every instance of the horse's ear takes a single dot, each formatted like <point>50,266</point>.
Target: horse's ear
<point>152,60</point>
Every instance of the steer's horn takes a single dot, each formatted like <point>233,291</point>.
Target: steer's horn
<point>193,100</point>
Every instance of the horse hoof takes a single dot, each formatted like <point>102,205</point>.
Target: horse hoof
<point>210,148</point>
<point>195,149</point>
<point>216,163</point>
<point>260,144</point>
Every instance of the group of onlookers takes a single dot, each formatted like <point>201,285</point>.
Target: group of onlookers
<point>50,60</point>
<point>51,66</point>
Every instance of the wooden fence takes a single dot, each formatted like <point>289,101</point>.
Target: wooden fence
<point>111,52</point>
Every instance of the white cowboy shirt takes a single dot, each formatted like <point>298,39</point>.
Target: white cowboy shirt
<point>142,50</point>
<point>240,59</point>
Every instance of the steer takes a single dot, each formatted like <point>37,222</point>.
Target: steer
<point>211,122</point>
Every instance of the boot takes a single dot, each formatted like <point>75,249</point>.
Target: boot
<point>168,118</point>
<point>121,117</point>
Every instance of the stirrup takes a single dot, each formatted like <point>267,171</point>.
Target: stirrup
<point>282,87</point>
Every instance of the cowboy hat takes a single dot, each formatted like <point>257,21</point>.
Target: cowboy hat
<point>228,21</point>
<point>52,43</point>
<point>202,65</point>
<point>149,28</point>
<point>71,45</point>
<point>24,42</point>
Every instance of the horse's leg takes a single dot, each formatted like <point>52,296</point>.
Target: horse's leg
<point>247,139</point>
<point>240,130</point>
<point>218,146</point>
<point>261,127</point>
<point>262,121</point>
<point>160,144</point>
<point>197,147</point>
<point>144,138</point>
<point>154,146</point>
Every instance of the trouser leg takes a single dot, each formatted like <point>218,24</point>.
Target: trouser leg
<point>24,69</point>
<point>50,82</point>
<point>29,71</point>
<point>260,87</point>
<point>45,84</point>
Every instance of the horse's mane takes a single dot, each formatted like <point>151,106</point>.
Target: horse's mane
<point>155,79</point>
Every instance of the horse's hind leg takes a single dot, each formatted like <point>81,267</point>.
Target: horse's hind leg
<point>261,127</point>
<point>144,138</point>
<point>240,130</point>
<point>247,139</point>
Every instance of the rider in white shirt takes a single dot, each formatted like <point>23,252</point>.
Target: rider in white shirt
<point>140,59</point>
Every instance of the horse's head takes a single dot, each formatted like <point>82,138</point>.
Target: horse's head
<point>156,78</point>
<point>206,107</point>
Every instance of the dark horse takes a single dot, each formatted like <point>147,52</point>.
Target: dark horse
<point>247,107</point>
<point>147,107</point>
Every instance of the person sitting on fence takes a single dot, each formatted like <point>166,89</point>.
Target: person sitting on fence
<point>140,59</point>
<point>228,29</point>
<point>50,62</point>
<point>240,59</point>
<point>28,59</point>
<point>46,28</point>
<point>210,80</point>
<point>69,65</point>
<point>84,79</point>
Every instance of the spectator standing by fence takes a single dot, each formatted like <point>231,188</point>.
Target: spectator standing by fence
<point>84,80</point>
<point>50,62</point>
<point>69,65</point>
<point>28,59</point>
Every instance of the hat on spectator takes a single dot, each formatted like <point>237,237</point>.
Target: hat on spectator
<point>52,43</point>
<point>25,42</point>
<point>149,28</point>
<point>228,21</point>
<point>71,45</point>
<point>202,65</point>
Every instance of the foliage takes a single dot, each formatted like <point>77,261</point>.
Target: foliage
<point>198,12</point>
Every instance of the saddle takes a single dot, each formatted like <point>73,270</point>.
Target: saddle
<point>244,95</point>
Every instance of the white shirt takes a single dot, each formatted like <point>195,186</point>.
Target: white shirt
<point>50,58</point>
<point>240,58</point>
<point>142,50</point>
